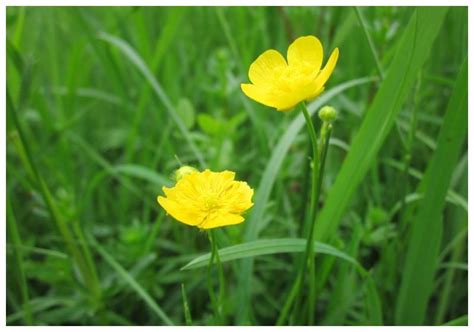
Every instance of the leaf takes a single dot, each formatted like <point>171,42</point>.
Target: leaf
<point>426,225</point>
<point>292,245</point>
<point>411,54</point>
<point>144,173</point>
<point>268,247</point>
<point>460,321</point>
<point>186,112</point>
<point>209,124</point>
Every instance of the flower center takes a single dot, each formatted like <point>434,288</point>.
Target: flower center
<point>211,203</point>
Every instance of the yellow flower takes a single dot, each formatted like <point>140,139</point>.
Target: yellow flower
<point>283,85</point>
<point>207,199</point>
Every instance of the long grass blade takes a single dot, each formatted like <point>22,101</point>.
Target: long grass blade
<point>14,236</point>
<point>268,247</point>
<point>426,226</point>
<point>412,53</point>
<point>140,65</point>
<point>132,282</point>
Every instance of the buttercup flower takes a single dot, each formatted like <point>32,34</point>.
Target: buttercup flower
<point>281,84</point>
<point>207,199</point>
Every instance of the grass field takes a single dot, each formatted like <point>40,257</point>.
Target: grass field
<point>104,104</point>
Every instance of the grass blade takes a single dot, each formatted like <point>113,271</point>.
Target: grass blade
<point>363,24</point>
<point>15,238</point>
<point>291,245</point>
<point>187,313</point>
<point>412,53</point>
<point>426,226</point>
<point>460,321</point>
<point>132,283</point>
<point>138,62</point>
<point>143,173</point>
<point>267,247</point>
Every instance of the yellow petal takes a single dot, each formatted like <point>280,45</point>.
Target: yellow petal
<point>326,72</point>
<point>258,94</point>
<point>306,51</point>
<point>222,220</point>
<point>263,69</point>
<point>179,212</point>
<point>287,101</point>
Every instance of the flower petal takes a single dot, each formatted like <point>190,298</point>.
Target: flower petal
<point>222,220</point>
<point>306,50</point>
<point>326,72</point>
<point>179,212</point>
<point>258,94</point>
<point>286,102</point>
<point>264,68</point>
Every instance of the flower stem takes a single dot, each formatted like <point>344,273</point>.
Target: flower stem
<point>323,149</point>
<point>295,293</point>
<point>216,302</point>
<point>315,162</point>
<point>309,251</point>
<point>318,160</point>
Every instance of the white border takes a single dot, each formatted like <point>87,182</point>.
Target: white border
<point>201,3</point>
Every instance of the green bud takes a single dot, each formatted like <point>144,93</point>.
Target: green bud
<point>183,171</point>
<point>328,114</point>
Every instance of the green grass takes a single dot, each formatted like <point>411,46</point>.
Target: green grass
<point>105,103</point>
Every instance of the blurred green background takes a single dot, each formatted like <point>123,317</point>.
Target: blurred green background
<point>110,102</point>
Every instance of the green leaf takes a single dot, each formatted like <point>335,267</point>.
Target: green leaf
<point>186,112</point>
<point>144,173</point>
<point>460,321</point>
<point>292,245</point>
<point>426,225</point>
<point>268,247</point>
<point>209,124</point>
<point>410,57</point>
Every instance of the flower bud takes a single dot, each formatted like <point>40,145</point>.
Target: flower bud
<point>327,114</point>
<point>183,171</point>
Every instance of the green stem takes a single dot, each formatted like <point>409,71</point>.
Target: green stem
<point>187,313</point>
<point>287,306</point>
<point>216,302</point>
<point>94,278</point>
<point>313,205</point>
<point>319,154</point>
<point>315,162</point>
<point>15,238</point>
<point>324,144</point>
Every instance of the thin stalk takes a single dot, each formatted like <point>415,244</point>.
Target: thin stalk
<point>314,196</point>
<point>409,146</point>
<point>443,302</point>
<point>220,273</point>
<point>15,238</point>
<point>187,313</point>
<point>95,283</point>
<point>315,161</point>
<point>287,306</point>
<point>363,24</point>
<point>210,289</point>
<point>324,144</point>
